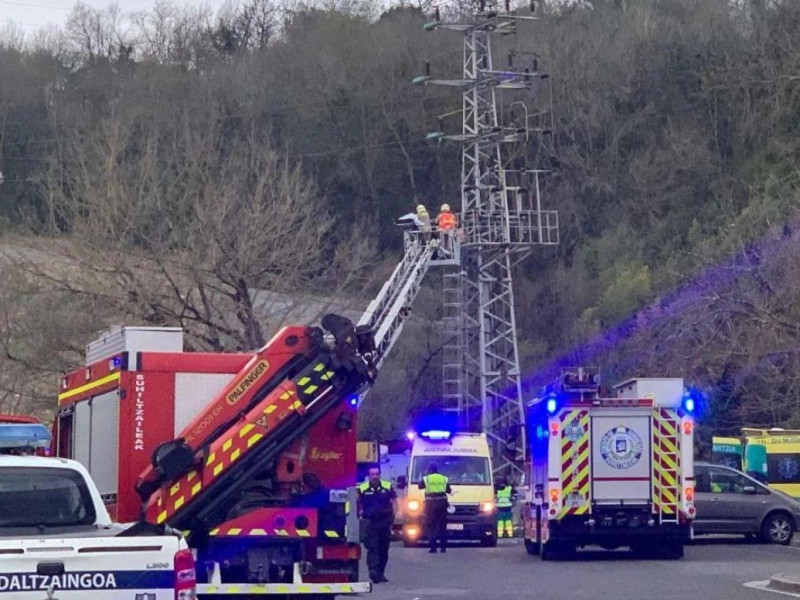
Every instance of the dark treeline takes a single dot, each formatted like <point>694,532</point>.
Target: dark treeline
<point>674,156</point>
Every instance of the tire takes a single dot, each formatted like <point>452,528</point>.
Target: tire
<point>672,550</point>
<point>489,542</point>
<point>531,547</point>
<point>778,528</point>
<point>558,551</point>
<point>609,545</point>
<point>409,543</point>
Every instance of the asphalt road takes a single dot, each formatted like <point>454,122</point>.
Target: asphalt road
<point>711,570</point>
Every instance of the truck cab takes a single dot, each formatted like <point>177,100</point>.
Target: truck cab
<point>465,460</point>
<point>57,539</point>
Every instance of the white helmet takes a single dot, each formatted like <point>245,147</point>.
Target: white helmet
<point>421,209</point>
<point>445,208</point>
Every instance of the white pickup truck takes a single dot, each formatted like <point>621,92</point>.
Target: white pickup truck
<point>57,541</point>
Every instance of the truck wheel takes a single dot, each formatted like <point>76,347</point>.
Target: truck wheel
<point>609,545</point>
<point>558,551</point>
<point>778,529</point>
<point>672,550</point>
<point>531,547</point>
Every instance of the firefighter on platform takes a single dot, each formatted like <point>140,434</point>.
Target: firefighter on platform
<point>425,219</point>
<point>377,504</point>
<point>504,497</point>
<point>436,487</point>
<point>446,222</point>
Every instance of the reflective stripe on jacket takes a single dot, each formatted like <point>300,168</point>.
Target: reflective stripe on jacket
<point>365,485</point>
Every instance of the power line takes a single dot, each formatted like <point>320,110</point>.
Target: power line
<point>32,5</point>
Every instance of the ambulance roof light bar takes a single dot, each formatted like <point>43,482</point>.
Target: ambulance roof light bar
<point>436,434</point>
<point>24,435</point>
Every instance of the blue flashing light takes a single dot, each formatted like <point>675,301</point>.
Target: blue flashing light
<point>692,401</point>
<point>24,435</point>
<point>353,400</point>
<point>437,434</point>
<point>411,436</point>
<point>116,361</point>
<point>552,405</point>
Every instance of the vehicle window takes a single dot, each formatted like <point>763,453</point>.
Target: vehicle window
<point>728,482</point>
<point>702,480</point>
<point>460,470</point>
<point>783,468</point>
<point>49,497</point>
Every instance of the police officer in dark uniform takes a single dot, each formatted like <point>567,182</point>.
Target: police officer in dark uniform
<point>436,487</point>
<point>377,505</point>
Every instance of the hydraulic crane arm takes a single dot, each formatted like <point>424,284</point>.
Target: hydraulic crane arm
<point>281,392</point>
<point>265,407</point>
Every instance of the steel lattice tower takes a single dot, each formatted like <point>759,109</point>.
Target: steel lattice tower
<point>502,221</point>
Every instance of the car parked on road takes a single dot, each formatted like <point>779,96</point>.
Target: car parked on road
<point>729,502</point>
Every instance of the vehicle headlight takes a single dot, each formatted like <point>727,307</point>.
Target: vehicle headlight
<point>487,507</point>
<point>414,505</point>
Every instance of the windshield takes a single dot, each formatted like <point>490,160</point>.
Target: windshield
<point>48,497</point>
<point>461,470</point>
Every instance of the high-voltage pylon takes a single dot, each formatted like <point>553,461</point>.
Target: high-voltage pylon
<point>502,220</point>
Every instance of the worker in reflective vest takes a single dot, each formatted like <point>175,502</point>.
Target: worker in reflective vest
<point>377,504</point>
<point>436,487</point>
<point>446,222</point>
<point>504,496</point>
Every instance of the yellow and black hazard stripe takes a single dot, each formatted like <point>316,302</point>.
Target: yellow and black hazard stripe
<point>666,461</point>
<point>575,463</point>
<point>313,380</point>
<point>289,398</point>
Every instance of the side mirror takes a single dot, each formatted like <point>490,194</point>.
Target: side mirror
<point>402,482</point>
<point>749,490</point>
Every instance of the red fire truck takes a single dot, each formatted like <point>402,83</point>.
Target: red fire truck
<point>251,455</point>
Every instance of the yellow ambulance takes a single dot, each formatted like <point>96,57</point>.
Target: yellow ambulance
<point>465,460</point>
<point>770,455</point>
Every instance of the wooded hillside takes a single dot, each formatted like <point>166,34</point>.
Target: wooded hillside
<point>160,168</point>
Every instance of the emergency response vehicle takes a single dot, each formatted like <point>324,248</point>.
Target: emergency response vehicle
<point>464,458</point>
<point>57,540</point>
<point>770,455</point>
<point>610,471</point>
<point>252,455</point>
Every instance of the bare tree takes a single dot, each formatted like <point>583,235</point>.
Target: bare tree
<point>95,33</point>
<point>222,237</point>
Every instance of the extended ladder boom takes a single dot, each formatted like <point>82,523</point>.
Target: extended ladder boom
<point>386,314</point>
<point>287,386</point>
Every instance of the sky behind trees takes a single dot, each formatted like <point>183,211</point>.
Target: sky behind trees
<point>31,15</point>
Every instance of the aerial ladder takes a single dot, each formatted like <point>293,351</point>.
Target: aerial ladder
<point>235,479</point>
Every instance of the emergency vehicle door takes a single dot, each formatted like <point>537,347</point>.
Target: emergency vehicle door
<point>621,468</point>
